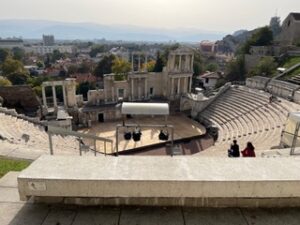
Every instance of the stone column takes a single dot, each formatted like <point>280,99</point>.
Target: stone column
<point>132,65</point>
<point>44,96</point>
<point>185,85</point>
<point>54,96</point>
<point>178,85</point>
<point>139,66</point>
<point>186,63</point>
<point>139,89</point>
<point>172,86</point>
<point>179,62</point>
<point>113,94</point>
<point>146,89</point>
<point>105,94</point>
<point>192,63</point>
<point>146,62</point>
<point>132,93</point>
<point>64,94</point>
<point>190,85</point>
<point>174,62</point>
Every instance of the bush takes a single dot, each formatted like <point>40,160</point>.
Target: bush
<point>5,82</point>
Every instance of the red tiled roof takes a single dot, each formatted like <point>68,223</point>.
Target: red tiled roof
<point>84,77</point>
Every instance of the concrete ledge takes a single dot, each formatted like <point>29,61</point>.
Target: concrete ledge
<point>185,181</point>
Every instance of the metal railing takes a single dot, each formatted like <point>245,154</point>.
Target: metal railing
<point>58,131</point>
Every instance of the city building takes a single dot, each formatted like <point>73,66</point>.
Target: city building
<point>290,30</point>
<point>208,47</point>
<point>10,43</point>
<point>48,40</point>
<point>42,50</point>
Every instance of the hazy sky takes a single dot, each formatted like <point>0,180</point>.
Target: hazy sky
<point>214,15</point>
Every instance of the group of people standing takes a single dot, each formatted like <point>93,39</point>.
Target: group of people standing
<point>234,150</point>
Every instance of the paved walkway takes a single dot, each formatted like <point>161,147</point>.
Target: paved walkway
<point>15,212</point>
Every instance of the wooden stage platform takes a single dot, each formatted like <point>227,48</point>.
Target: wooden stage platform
<point>184,128</point>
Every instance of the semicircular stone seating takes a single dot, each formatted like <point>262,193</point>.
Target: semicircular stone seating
<point>16,132</point>
<point>246,115</point>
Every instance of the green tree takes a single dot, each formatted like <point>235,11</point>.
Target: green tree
<point>4,53</point>
<point>262,37</point>
<point>266,67</point>
<point>4,82</point>
<point>159,64</point>
<point>56,55</point>
<point>235,70</point>
<point>104,66</point>
<point>18,53</point>
<point>84,87</point>
<point>18,78</point>
<point>198,63</point>
<point>40,64</point>
<point>96,49</point>
<point>212,67</point>
<point>12,66</point>
<point>72,69</point>
<point>120,68</point>
<point>150,66</point>
<point>14,71</point>
<point>83,68</point>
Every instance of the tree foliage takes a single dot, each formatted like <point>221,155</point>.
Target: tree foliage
<point>14,71</point>
<point>12,66</point>
<point>104,66</point>
<point>212,67</point>
<point>72,69</point>
<point>4,53</point>
<point>4,82</point>
<point>18,53</point>
<point>266,67</point>
<point>150,66</point>
<point>198,63</point>
<point>96,49</point>
<point>236,70</point>
<point>159,64</point>
<point>84,87</point>
<point>83,68</point>
<point>56,55</point>
<point>18,78</point>
<point>120,68</point>
<point>40,64</point>
<point>262,37</point>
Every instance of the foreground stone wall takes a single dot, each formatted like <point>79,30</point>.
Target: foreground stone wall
<point>181,181</point>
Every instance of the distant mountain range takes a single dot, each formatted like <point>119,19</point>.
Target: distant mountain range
<point>34,29</point>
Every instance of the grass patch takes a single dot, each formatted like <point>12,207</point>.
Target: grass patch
<point>291,61</point>
<point>7,165</point>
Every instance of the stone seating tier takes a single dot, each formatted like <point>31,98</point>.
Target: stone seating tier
<point>247,115</point>
<point>13,129</point>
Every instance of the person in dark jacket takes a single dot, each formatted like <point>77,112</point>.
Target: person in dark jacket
<point>249,150</point>
<point>234,150</point>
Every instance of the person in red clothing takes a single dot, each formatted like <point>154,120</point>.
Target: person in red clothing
<point>248,151</point>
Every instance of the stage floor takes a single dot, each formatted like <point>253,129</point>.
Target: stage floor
<point>184,128</point>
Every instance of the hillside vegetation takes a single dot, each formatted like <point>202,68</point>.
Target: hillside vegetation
<point>289,62</point>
